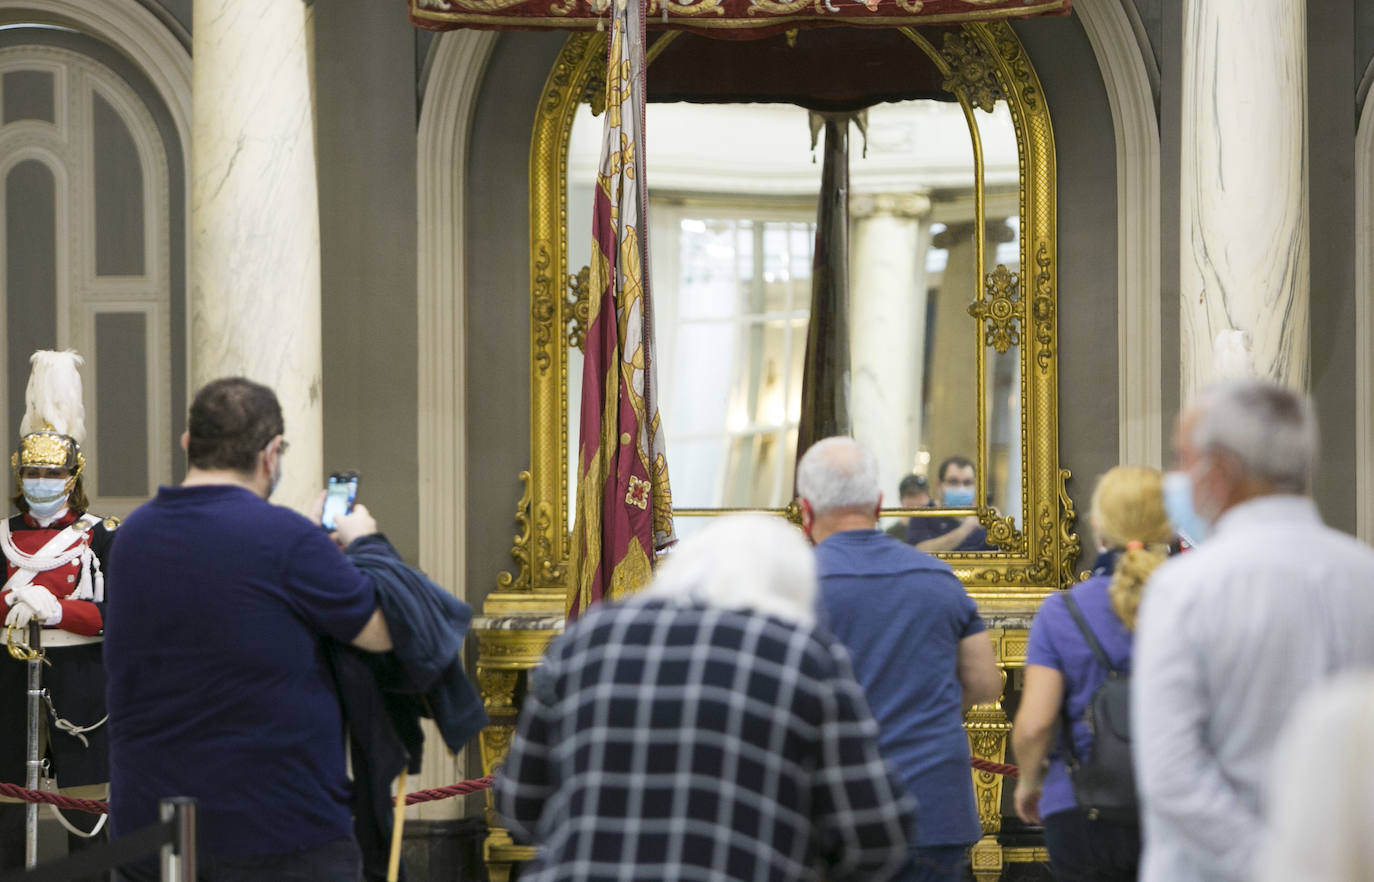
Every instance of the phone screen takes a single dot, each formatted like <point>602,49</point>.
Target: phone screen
<point>338,500</point>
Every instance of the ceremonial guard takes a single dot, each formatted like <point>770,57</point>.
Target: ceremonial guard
<point>55,553</point>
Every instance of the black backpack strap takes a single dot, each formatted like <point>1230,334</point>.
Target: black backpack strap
<point>1088,636</point>
<point>1066,730</point>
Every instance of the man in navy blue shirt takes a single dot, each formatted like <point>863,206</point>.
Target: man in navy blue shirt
<point>217,682</point>
<point>958,478</point>
<point>918,645</point>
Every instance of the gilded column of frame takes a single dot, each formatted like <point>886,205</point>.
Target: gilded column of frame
<point>578,67</point>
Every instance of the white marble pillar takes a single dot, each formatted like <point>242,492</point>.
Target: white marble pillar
<point>1243,192</point>
<point>887,315</point>
<point>255,246</point>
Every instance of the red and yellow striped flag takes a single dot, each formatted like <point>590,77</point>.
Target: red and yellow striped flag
<point>624,507</point>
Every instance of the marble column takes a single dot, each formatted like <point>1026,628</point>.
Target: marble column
<point>1243,192</point>
<point>255,246</point>
<point>887,314</point>
<point>952,411</point>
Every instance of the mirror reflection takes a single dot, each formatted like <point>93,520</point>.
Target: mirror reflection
<point>733,214</point>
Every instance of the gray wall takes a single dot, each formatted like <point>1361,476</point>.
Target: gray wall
<point>1332,76</point>
<point>497,302</point>
<point>1086,154</point>
<point>365,121</point>
<point>1170,221</point>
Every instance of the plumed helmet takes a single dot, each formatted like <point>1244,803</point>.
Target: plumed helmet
<point>54,423</point>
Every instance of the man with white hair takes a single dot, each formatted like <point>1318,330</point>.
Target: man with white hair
<point>704,729</point>
<point>1231,633</point>
<point>919,648</point>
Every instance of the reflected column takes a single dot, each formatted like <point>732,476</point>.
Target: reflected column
<point>953,406</point>
<point>1243,192</point>
<point>255,246</point>
<point>887,295</point>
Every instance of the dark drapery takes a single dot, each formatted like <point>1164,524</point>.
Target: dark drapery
<point>825,377</point>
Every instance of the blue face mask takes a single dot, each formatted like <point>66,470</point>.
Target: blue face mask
<point>959,497</point>
<point>45,496</point>
<point>1178,505</point>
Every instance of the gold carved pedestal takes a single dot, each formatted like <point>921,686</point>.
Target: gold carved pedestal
<point>511,645</point>
<point>988,730</point>
<point>508,647</point>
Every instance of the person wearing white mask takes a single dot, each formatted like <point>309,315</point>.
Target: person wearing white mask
<point>55,553</point>
<point>1268,602</point>
<point>958,478</point>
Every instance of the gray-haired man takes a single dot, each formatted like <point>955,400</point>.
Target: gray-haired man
<point>1232,632</point>
<point>919,647</point>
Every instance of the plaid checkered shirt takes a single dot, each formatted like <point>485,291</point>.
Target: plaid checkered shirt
<point>681,743</point>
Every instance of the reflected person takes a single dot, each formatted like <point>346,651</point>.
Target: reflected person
<point>958,478</point>
<point>913,492</point>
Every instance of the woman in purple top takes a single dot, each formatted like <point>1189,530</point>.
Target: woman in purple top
<point>1063,672</point>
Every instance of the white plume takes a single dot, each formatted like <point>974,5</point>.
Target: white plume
<point>53,396</point>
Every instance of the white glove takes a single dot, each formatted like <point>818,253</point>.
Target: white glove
<point>30,602</point>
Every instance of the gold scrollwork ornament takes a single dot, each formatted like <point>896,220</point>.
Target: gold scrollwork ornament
<point>520,548</point>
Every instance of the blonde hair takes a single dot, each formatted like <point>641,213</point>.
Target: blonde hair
<point>1128,516</point>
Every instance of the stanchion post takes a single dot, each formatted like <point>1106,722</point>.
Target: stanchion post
<point>34,758</point>
<point>179,856</point>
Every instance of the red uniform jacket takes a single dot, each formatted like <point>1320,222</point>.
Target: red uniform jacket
<point>78,616</point>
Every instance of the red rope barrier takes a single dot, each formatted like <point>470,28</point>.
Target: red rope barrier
<point>99,807</point>
<point>94,806</point>
<point>475,785</point>
<point>459,789</point>
<point>1004,769</point>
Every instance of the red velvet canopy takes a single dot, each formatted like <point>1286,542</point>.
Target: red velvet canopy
<point>729,19</point>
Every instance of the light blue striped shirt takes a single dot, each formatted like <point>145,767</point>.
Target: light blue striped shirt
<point>1229,635</point>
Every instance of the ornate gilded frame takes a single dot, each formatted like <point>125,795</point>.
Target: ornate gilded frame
<point>982,63</point>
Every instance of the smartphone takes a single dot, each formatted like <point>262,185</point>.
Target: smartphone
<point>339,498</point>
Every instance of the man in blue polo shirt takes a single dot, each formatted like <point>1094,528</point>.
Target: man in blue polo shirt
<point>217,683</point>
<point>918,646</point>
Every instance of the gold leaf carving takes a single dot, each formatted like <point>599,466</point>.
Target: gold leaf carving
<point>520,549</point>
<point>1001,308</point>
<point>987,728</point>
<point>469,5</point>
<point>551,573</point>
<point>1069,546</point>
<point>594,93</point>
<point>777,7</point>
<point>1002,532</point>
<point>1042,309</point>
<point>577,307</point>
<point>971,72</point>
<point>498,689</point>
<point>543,308</point>
<point>696,7</point>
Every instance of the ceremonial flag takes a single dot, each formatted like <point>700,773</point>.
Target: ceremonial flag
<point>624,508</point>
